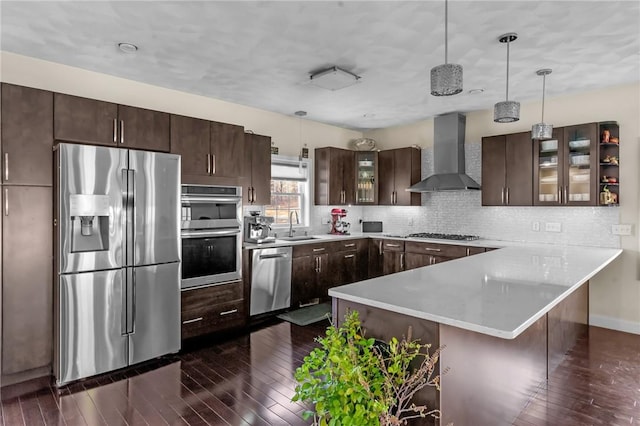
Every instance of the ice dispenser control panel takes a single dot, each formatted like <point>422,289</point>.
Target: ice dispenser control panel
<point>89,216</point>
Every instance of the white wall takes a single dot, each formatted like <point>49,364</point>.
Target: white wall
<point>615,292</point>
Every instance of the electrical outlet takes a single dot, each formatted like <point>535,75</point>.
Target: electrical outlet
<point>325,220</point>
<point>553,227</point>
<point>410,221</point>
<point>622,229</point>
<point>535,226</point>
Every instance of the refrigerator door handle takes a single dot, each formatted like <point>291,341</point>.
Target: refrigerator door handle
<point>130,302</point>
<point>130,210</point>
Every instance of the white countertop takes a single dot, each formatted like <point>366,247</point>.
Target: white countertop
<point>499,293</point>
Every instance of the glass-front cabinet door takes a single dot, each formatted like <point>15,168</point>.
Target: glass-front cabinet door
<point>366,177</point>
<point>548,172</point>
<point>565,171</point>
<point>580,175</point>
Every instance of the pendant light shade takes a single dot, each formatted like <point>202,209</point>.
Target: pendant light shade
<point>507,111</point>
<point>541,130</point>
<point>446,79</point>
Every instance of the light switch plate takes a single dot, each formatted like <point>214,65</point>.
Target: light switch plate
<point>621,229</point>
<point>535,226</point>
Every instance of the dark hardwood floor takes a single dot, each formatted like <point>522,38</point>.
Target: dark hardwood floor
<point>247,380</point>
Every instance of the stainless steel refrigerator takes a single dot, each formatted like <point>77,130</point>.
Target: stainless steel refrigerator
<point>117,258</point>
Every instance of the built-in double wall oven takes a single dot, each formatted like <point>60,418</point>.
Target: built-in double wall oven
<point>211,230</point>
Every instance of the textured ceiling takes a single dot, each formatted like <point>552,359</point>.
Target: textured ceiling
<point>261,53</point>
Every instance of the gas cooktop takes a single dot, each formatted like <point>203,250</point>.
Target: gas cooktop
<point>443,236</point>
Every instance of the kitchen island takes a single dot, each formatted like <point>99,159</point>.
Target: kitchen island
<point>505,319</point>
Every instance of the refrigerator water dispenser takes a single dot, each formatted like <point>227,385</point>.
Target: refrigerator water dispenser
<point>89,222</point>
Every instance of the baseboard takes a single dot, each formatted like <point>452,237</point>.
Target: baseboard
<point>615,324</point>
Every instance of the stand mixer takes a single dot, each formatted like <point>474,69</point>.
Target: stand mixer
<point>338,225</point>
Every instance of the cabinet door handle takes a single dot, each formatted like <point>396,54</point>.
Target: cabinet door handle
<point>401,260</point>
<point>229,312</point>
<point>6,201</point>
<point>502,197</point>
<point>432,249</point>
<point>507,192</point>
<point>350,245</point>
<point>248,194</point>
<point>392,197</point>
<point>253,194</point>
<point>115,130</point>
<point>317,268</point>
<point>6,166</point>
<point>392,245</point>
<point>213,164</point>
<point>349,256</point>
<point>192,320</point>
<point>209,166</point>
<point>319,264</point>
<point>565,195</point>
<point>121,131</point>
<point>468,251</point>
<point>380,248</point>
<point>559,194</point>
<point>318,249</point>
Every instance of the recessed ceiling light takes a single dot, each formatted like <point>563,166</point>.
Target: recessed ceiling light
<point>128,47</point>
<point>475,91</point>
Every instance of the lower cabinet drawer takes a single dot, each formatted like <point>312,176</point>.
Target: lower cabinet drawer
<point>213,318</point>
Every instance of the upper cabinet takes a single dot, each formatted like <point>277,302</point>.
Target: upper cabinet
<point>212,153</point>
<point>366,177</point>
<point>96,122</point>
<point>609,161</point>
<point>398,169</point>
<point>27,135</point>
<point>507,170</point>
<point>565,167</point>
<point>257,163</point>
<point>335,176</point>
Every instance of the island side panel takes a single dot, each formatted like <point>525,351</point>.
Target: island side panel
<point>490,379</point>
<point>568,321</point>
<point>384,325</point>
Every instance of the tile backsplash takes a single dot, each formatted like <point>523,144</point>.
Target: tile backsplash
<point>461,212</point>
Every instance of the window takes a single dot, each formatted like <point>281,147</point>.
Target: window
<point>289,190</point>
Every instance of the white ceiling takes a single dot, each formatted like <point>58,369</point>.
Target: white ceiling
<point>261,53</point>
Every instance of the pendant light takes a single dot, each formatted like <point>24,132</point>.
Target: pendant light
<point>446,79</point>
<point>507,111</point>
<point>541,130</point>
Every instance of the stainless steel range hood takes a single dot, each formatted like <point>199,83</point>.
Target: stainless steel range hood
<point>448,157</point>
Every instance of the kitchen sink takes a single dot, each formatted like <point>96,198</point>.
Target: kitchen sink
<point>298,238</point>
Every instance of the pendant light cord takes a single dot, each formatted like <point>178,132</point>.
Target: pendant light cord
<point>446,30</point>
<point>544,81</point>
<point>508,43</point>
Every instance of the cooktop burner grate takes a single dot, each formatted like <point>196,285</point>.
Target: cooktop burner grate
<point>444,236</point>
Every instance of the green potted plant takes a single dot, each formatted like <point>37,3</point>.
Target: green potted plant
<point>352,380</point>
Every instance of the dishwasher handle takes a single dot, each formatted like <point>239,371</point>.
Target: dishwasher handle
<point>272,256</point>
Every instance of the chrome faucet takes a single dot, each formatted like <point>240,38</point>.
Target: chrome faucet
<point>291,230</point>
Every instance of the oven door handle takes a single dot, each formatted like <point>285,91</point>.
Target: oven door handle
<point>225,200</point>
<point>209,233</point>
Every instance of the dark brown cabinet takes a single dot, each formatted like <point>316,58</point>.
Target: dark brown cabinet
<point>335,176</point>
<point>212,309</point>
<point>27,136</point>
<point>507,170</point>
<point>27,288</point>
<point>375,258</point>
<point>392,257</point>
<point>566,167</point>
<point>257,163</point>
<point>212,153</point>
<point>90,121</point>
<point>310,275</point>
<point>348,261</point>
<point>398,169</point>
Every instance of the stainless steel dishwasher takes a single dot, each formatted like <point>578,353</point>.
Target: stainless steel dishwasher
<point>270,280</point>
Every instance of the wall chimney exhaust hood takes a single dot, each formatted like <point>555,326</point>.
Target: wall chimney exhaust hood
<point>448,157</point>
